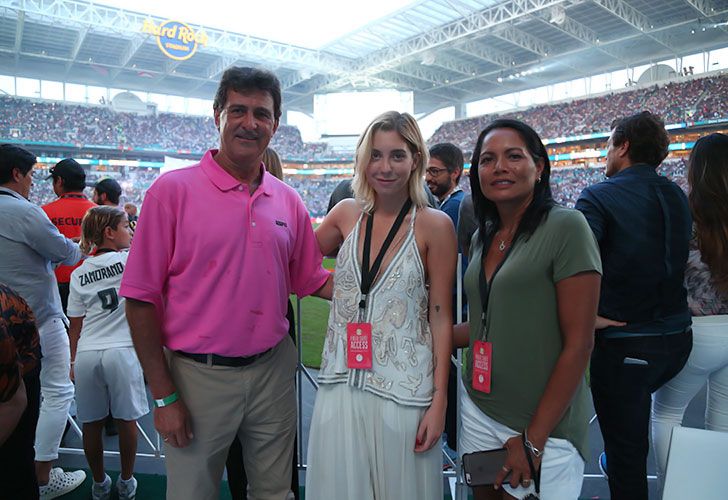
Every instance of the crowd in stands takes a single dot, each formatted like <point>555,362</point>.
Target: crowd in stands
<point>53,122</point>
<point>683,101</point>
<point>566,183</point>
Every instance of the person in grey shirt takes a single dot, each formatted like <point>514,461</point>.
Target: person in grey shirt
<point>31,246</point>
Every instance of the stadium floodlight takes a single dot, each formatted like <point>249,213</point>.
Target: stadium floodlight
<point>557,15</point>
<point>428,59</point>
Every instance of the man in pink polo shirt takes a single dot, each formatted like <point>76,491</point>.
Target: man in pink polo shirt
<point>218,248</point>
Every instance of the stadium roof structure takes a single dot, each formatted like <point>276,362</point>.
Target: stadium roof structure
<point>445,51</point>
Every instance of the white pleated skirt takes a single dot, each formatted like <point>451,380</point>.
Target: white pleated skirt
<point>361,447</point>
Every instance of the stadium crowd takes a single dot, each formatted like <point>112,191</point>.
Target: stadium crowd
<point>83,125</point>
<point>566,183</point>
<point>691,100</point>
<point>53,122</point>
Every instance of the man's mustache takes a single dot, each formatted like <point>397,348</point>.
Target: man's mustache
<point>247,134</point>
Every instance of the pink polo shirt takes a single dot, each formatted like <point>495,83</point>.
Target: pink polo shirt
<point>219,264</point>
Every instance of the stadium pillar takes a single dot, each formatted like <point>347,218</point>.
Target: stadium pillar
<point>460,111</point>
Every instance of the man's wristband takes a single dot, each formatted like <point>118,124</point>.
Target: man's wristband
<point>166,401</point>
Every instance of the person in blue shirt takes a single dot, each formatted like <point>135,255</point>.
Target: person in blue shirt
<point>642,223</point>
<point>31,246</point>
<point>443,177</point>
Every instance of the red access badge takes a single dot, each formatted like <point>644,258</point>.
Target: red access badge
<point>482,359</point>
<point>359,342</point>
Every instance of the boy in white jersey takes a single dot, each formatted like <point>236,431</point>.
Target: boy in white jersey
<point>106,368</point>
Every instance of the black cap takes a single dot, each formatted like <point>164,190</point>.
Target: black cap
<point>68,169</point>
<point>108,186</point>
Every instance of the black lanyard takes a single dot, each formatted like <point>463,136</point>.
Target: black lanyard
<point>486,287</point>
<point>367,274</point>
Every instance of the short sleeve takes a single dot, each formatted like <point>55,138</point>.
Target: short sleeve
<point>576,248</point>
<point>307,274</point>
<point>76,308</point>
<point>147,267</point>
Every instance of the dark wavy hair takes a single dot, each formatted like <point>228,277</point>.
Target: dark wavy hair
<point>708,179</point>
<point>648,139</point>
<point>485,210</point>
<point>244,79</point>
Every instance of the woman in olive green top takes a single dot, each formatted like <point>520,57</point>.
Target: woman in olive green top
<point>533,287</point>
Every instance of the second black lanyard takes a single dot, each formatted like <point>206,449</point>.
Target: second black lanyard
<point>368,274</point>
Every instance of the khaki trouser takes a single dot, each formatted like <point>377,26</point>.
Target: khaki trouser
<point>256,402</point>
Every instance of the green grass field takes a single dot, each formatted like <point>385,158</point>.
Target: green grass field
<point>315,317</point>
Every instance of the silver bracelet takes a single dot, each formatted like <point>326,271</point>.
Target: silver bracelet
<point>535,451</point>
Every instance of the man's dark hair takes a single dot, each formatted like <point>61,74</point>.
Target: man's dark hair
<point>485,210</point>
<point>647,137</point>
<point>245,80</point>
<point>12,156</point>
<point>450,155</point>
<point>110,188</point>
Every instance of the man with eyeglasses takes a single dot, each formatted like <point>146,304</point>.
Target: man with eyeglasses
<point>442,177</point>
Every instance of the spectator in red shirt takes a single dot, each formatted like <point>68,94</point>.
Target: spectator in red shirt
<point>66,212</point>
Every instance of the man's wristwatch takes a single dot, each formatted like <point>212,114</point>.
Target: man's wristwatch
<point>166,401</point>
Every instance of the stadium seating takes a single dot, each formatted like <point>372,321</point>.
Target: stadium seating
<point>82,125</point>
<point>566,183</point>
<point>690,100</point>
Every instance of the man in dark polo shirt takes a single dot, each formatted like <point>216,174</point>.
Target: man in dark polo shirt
<point>642,223</point>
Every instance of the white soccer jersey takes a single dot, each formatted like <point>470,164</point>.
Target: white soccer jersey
<point>94,293</point>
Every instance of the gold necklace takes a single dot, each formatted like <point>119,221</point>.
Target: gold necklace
<point>505,242</point>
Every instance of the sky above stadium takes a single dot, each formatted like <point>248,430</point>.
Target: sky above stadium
<point>311,24</point>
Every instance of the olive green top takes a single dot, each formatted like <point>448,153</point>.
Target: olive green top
<point>523,322</point>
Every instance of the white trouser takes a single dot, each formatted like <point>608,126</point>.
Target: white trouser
<point>562,468</point>
<point>708,362</point>
<point>55,387</point>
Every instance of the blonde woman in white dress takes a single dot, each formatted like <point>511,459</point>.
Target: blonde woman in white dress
<point>380,409</point>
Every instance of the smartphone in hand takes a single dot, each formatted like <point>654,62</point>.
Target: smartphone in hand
<point>481,468</point>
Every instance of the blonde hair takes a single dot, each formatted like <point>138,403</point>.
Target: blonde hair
<point>96,220</point>
<point>272,163</point>
<point>406,126</point>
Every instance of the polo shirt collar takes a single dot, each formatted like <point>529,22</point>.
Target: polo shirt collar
<point>13,193</point>
<point>226,182</point>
